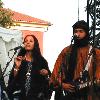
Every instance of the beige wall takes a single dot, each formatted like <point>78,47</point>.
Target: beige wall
<point>39,36</point>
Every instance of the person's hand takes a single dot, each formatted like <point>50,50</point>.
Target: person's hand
<point>18,61</point>
<point>68,87</point>
<point>44,72</point>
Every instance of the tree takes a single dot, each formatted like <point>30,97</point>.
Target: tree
<point>5,16</point>
<point>1,4</point>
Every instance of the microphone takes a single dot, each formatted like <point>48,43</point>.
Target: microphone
<point>16,48</point>
<point>75,36</point>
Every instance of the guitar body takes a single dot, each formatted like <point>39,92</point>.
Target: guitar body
<point>81,86</point>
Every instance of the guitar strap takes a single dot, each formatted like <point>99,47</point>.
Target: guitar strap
<point>86,65</point>
<point>89,58</point>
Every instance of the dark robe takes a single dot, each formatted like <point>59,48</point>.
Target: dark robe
<point>38,84</point>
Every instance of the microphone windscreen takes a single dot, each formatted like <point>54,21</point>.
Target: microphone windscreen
<point>21,52</point>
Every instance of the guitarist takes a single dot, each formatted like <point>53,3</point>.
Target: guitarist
<point>71,62</point>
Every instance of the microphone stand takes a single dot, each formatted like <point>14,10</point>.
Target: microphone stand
<point>2,83</point>
<point>7,64</point>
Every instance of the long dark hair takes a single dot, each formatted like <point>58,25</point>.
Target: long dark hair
<point>36,50</point>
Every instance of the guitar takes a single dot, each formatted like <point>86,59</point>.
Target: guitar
<point>82,85</point>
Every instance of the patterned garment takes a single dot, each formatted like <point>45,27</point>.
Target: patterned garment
<point>28,78</point>
<point>57,78</point>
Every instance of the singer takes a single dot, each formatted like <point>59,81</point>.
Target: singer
<point>66,78</point>
<point>30,74</point>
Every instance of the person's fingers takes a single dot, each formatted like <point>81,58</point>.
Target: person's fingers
<point>18,59</point>
<point>43,72</point>
<point>68,87</point>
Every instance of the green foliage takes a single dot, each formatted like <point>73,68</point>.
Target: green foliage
<point>5,17</point>
<point>1,4</point>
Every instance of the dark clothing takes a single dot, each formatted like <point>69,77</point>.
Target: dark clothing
<point>38,84</point>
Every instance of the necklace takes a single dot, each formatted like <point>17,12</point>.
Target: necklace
<point>28,77</point>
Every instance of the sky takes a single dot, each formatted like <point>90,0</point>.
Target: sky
<point>61,13</point>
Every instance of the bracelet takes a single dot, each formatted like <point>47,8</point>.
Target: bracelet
<point>15,69</point>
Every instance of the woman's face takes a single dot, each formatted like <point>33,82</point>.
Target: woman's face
<point>29,43</point>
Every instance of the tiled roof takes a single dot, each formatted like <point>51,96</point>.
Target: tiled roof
<point>19,17</point>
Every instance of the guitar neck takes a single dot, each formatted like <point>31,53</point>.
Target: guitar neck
<point>87,84</point>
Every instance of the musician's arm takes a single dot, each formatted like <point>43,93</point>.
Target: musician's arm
<point>97,74</point>
<point>57,75</point>
<point>17,64</point>
<point>97,63</point>
<point>55,78</point>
